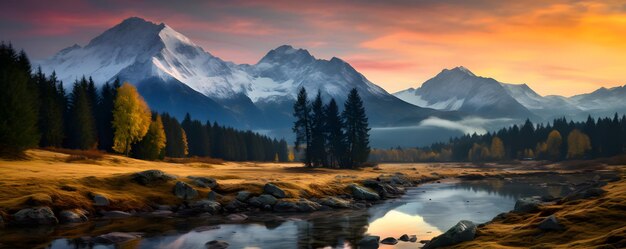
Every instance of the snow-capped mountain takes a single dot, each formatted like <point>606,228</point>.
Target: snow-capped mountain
<point>548,107</point>
<point>177,76</point>
<point>604,101</point>
<point>460,90</point>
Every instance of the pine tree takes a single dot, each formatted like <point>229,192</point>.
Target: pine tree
<point>18,109</point>
<point>357,130</point>
<point>318,133</point>
<point>81,123</point>
<point>302,125</point>
<point>51,110</point>
<point>197,137</point>
<point>131,118</point>
<point>335,136</point>
<point>176,138</point>
<point>104,115</point>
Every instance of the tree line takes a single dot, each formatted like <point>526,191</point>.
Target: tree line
<point>331,138</point>
<point>556,141</point>
<point>36,111</point>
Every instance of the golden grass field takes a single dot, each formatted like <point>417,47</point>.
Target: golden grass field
<point>64,181</point>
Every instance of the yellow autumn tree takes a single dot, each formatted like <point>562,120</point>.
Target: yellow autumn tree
<point>497,148</point>
<point>578,144</point>
<point>185,146</point>
<point>291,157</point>
<point>553,145</point>
<point>152,145</point>
<point>131,118</point>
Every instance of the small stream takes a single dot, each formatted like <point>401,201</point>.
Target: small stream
<point>424,211</point>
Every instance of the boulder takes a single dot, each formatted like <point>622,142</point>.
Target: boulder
<point>334,202</point>
<point>100,200</point>
<point>368,242</point>
<point>73,216</point>
<point>361,193</point>
<point>404,237</point>
<point>585,192</point>
<point>153,176</point>
<point>384,190</point>
<point>236,205</point>
<point>413,238</point>
<point>237,217</point>
<point>208,206</point>
<point>115,238</point>
<point>262,200</point>
<point>274,190</point>
<point>184,191</point>
<point>463,231</point>
<point>203,182</point>
<point>213,196</point>
<point>243,195</point>
<point>528,204</point>
<point>550,223</point>
<point>35,216</point>
<point>389,241</point>
<point>302,205</point>
<point>216,244</point>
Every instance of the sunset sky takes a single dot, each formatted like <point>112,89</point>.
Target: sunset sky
<point>556,47</point>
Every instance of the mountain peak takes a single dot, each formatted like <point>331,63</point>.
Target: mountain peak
<point>133,29</point>
<point>462,69</point>
<point>287,53</point>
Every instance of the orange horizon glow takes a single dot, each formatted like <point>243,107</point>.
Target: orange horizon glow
<point>556,47</point>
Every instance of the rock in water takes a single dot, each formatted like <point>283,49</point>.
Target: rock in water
<point>550,223</point>
<point>203,182</point>
<point>404,237</point>
<point>35,216</point>
<point>216,244</point>
<point>413,238</point>
<point>362,193</point>
<point>528,204</point>
<point>184,191</point>
<point>100,200</point>
<point>369,242</point>
<point>389,241</point>
<point>115,237</point>
<point>263,200</point>
<point>73,216</point>
<point>212,207</point>
<point>463,231</point>
<point>274,190</point>
<point>152,176</point>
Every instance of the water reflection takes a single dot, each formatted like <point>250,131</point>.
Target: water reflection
<point>425,211</point>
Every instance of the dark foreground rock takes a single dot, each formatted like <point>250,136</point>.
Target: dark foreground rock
<point>35,216</point>
<point>361,193</point>
<point>301,205</point>
<point>184,191</point>
<point>216,244</point>
<point>404,237</point>
<point>100,200</point>
<point>115,238</point>
<point>389,241</point>
<point>262,201</point>
<point>201,206</point>
<point>274,190</point>
<point>73,216</point>
<point>369,242</point>
<point>463,231</point>
<point>528,204</point>
<point>153,176</point>
<point>203,182</point>
<point>550,223</point>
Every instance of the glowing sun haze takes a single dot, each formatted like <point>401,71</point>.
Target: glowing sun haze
<point>561,47</point>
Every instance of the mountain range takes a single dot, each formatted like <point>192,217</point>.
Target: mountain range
<point>459,89</point>
<point>175,75</point>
